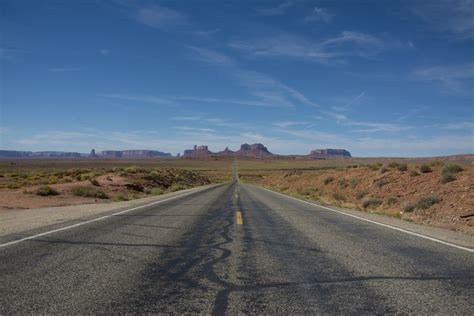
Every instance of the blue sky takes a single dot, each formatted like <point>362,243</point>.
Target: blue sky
<point>379,78</point>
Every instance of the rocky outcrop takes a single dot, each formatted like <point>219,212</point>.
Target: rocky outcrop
<point>330,153</point>
<point>253,150</point>
<point>197,151</point>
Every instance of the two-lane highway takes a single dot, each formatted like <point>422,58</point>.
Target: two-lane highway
<point>234,248</point>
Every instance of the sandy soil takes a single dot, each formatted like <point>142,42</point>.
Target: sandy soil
<point>394,188</point>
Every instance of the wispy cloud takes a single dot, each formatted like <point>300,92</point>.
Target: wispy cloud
<point>318,15</point>
<point>330,50</point>
<point>140,98</point>
<point>367,127</point>
<point>287,124</point>
<point>160,17</point>
<point>275,10</point>
<point>206,33</point>
<point>453,17</point>
<point>459,126</point>
<point>452,77</point>
<point>267,90</point>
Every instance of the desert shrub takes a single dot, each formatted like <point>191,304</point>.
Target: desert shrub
<point>371,203</point>
<point>437,163</point>
<point>383,169</point>
<point>14,185</point>
<point>355,182</point>
<point>45,190</point>
<point>156,191</point>
<point>177,186</point>
<point>89,192</point>
<point>414,173</point>
<point>33,178</point>
<point>393,165</point>
<point>133,169</point>
<point>403,167</point>
<point>373,167</point>
<point>425,168</point>
<point>94,182</point>
<point>447,177</point>
<point>426,202</point>
<point>407,207</point>
<point>339,197</point>
<point>120,198</point>
<point>392,200</point>
<point>451,168</point>
<point>361,194</point>
<point>328,180</point>
<point>343,183</point>
<point>52,180</point>
<point>304,191</point>
<point>380,183</point>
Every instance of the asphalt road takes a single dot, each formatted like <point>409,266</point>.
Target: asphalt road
<point>192,255</point>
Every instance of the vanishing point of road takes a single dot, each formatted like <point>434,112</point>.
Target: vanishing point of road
<point>233,249</point>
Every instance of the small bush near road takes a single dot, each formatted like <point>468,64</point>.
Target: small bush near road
<point>372,203</point>
<point>89,192</point>
<point>447,177</point>
<point>425,169</point>
<point>426,202</point>
<point>46,191</point>
<point>339,197</point>
<point>448,172</point>
<point>407,207</point>
<point>403,167</point>
<point>414,173</point>
<point>452,168</point>
<point>156,191</point>
<point>380,183</point>
<point>121,198</point>
<point>343,183</point>
<point>355,182</point>
<point>392,200</point>
<point>328,180</point>
<point>361,194</point>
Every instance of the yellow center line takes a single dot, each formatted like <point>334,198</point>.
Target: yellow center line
<point>238,218</point>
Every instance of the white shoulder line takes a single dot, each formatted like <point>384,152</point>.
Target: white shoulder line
<point>104,217</point>
<point>375,222</point>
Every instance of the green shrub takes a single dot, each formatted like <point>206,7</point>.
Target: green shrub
<point>393,165</point>
<point>383,169</point>
<point>392,200</point>
<point>46,191</point>
<point>339,197</point>
<point>414,173</point>
<point>89,192</point>
<point>373,167</point>
<point>361,194</point>
<point>355,182</point>
<point>426,202</point>
<point>407,207</point>
<point>437,163</point>
<point>447,177</point>
<point>372,203</point>
<point>328,180</point>
<point>452,168</point>
<point>425,168</point>
<point>343,183</point>
<point>156,191</point>
<point>120,198</point>
<point>403,167</point>
<point>177,187</point>
<point>380,183</point>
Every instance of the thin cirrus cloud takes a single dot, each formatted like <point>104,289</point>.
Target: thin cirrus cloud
<point>452,17</point>
<point>330,50</point>
<point>275,10</point>
<point>451,77</point>
<point>267,90</point>
<point>160,17</point>
<point>319,15</point>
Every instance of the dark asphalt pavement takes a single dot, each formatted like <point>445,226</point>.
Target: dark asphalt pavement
<point>189,255</point>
